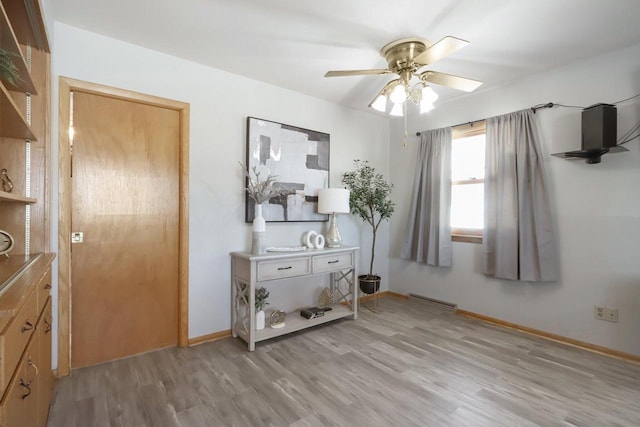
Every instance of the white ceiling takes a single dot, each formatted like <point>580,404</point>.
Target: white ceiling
<point>292,43</point>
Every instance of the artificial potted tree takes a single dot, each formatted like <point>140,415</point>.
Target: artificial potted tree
<point>370,199</point>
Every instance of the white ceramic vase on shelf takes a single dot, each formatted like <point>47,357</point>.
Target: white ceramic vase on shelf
<point>260,320</point>
<point>258,244</point>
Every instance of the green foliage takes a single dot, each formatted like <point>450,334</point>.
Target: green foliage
<point>369,197</point>
<point>261,298</point>
<point>8,70</point>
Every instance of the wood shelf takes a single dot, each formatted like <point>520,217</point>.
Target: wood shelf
<point>10,197</point>
<point>12,122</point>
<point>28,23</point>
<point>9,42</point>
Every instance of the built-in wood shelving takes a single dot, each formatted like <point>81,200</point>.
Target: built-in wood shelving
<point>10,197</point>
<point>9,42</point>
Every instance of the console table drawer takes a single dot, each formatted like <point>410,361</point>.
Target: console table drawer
<point>271,270</point>
<point>335,262</point>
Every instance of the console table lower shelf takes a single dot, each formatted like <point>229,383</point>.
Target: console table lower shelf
<point>251,271</point>
<point>295,322</point>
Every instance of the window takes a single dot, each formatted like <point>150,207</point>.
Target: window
<point>467,182</point>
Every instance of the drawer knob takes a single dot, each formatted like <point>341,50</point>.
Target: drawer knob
<point>27,326</point>
<point>333,262</point>
<point>284,268</point>
<point>47,286</point>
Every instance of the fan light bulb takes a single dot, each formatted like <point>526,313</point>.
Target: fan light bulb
<point>396,110</point>
<point>399,95</point>
<point>429,95</point>
<point>380,103</point>
<point>425,107</point>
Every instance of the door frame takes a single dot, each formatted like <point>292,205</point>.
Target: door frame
<point>65,87</point>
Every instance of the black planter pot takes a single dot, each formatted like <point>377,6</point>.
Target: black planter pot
<point>369,284</point>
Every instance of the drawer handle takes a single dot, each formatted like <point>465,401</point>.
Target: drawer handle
<point>27,326</point>
<point>27,386</point>
<point>47,286</point>
<point>47,327</point>
<point>333,262</point>
<point>30,363</point>
<point>284,268</point>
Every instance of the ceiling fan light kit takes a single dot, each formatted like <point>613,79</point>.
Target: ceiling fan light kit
<point>405,57</point>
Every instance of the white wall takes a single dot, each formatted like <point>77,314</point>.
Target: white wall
<point>597,208</point>
<point>220,103</point>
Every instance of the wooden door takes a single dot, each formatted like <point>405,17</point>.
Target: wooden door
<point>125,201</point>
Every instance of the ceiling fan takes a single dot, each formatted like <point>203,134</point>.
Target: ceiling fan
<point>405,58</point>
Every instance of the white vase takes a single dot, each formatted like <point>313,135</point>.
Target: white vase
<point>259,320</point>
<point>258,244</point>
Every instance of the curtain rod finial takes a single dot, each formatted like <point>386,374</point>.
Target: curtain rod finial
<point>418,134</point>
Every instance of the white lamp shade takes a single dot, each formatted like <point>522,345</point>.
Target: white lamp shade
<point>397,110</point>
<point>333,200</point>
<point>380,103</point>
<point>398,95</point>
<point>429,95</point>
<point>425,107</point>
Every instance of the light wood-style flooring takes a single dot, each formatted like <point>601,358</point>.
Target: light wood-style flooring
<point>411,363</point>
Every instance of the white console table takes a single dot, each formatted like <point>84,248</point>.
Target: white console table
<point>251,271</point>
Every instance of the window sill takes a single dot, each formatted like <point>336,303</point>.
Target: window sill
<point>466,238</point>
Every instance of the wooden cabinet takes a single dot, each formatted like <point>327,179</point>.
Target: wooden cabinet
<point>251,271</point>
<point>26,378</point>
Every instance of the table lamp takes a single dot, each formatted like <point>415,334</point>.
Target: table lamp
<point>332,201</point>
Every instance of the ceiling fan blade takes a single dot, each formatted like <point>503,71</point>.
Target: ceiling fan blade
<point>356,72</point>
<point>455,82</point>
<point>439,50</point>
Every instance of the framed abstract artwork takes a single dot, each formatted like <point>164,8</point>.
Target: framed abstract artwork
<point>300,160</point>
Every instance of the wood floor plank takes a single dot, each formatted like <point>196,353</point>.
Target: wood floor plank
<point>407,363</point>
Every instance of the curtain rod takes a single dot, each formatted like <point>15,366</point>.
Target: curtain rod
<point>534,109</point>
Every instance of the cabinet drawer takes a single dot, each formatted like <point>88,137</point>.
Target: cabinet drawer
<point>271,270</point>
<point>15,338</point>
<point>335,262</point>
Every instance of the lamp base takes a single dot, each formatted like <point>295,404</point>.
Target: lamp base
<point>333,238</point>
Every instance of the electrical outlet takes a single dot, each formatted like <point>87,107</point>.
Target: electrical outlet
<point>611,314</point>
<point>599,312</point>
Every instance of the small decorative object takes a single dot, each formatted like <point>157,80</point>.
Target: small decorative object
<point>8,70</point>
<point>6,243</point>
<point>260,191</point>
<point>276,320</point>
<point>370,199</point>
<point>333,201</point>
<point>313,312</point>
<point>299,158</point>
<point>308,238</point>
<point>326,297</point>
<point>311,240</point>
<point>258,245</point>
<point>7,184</point>
<point>318,242</point>
<point>261,301</point>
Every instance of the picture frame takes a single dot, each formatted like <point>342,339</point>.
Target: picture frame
<point>299,158</point>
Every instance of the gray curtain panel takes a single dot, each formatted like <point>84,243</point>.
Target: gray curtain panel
<point>428,235</point>
<point>519,241</point>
